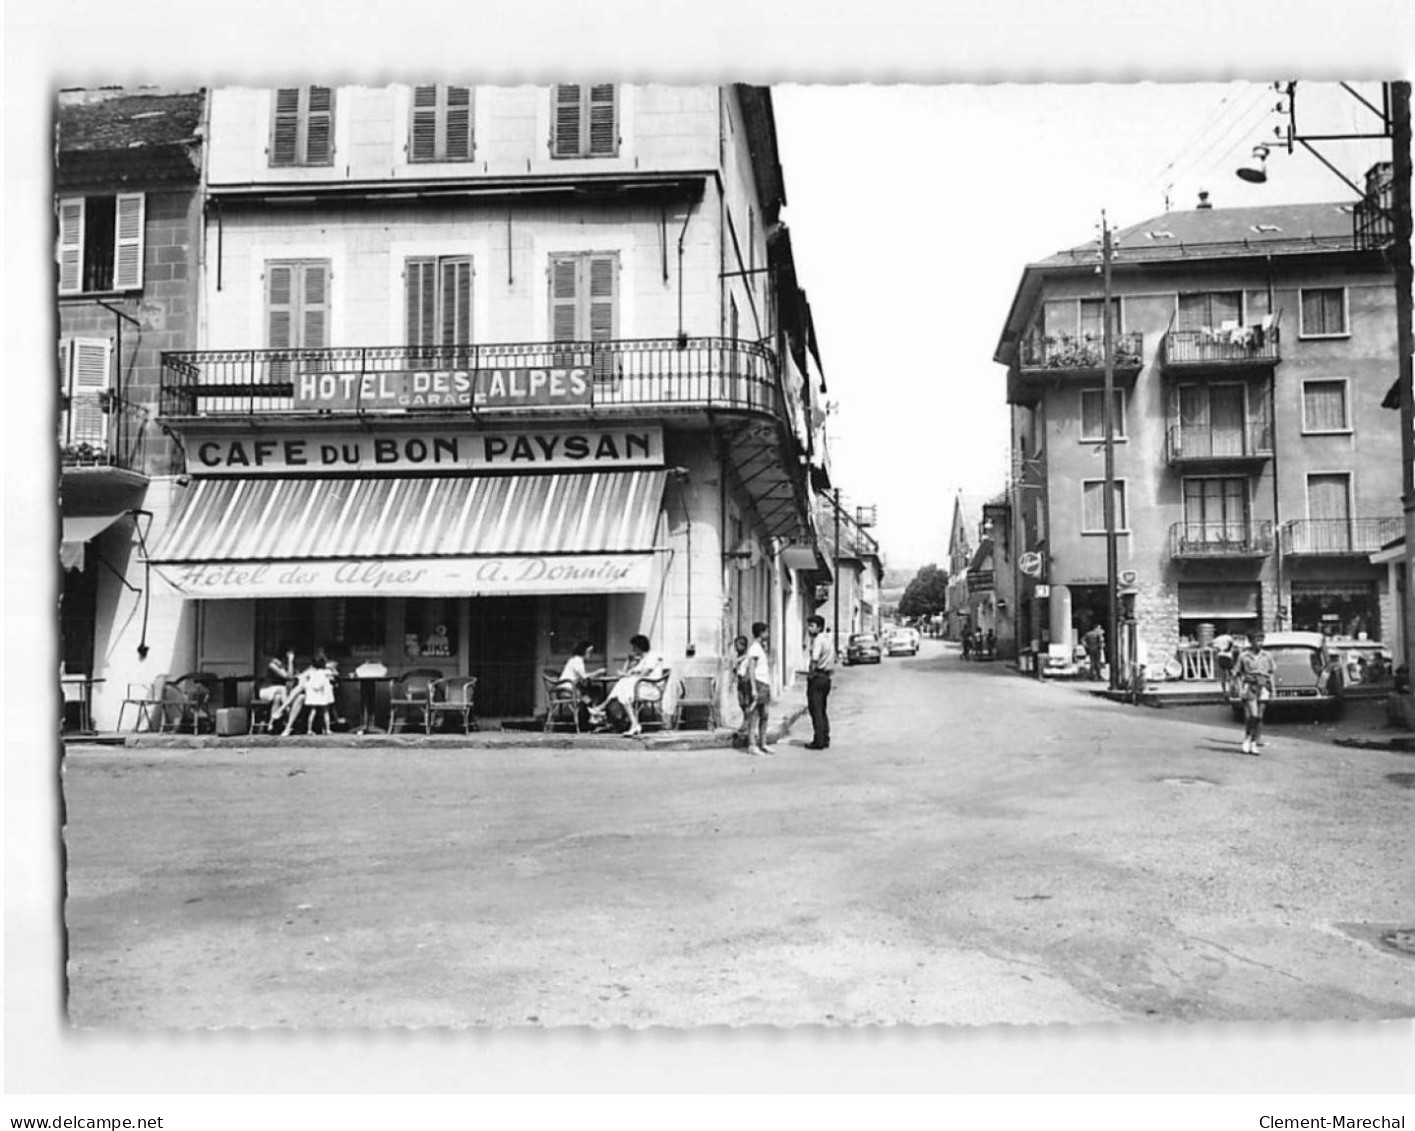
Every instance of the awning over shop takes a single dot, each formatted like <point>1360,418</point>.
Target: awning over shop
<point>807,557</point>
<point>75,533</point>
<point>1216,601</point>
<point>395,536</point>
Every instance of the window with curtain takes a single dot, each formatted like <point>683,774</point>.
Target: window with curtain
<point>441,127</point>
<point>1216,509</point>
<point>1093,414</point>
<point>1209,309</point>
<point>1323,312</point>
<point>1092,314</point>
<point>1093,506</point>
<point>1324,406</point>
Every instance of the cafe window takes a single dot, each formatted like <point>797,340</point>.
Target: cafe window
<point>285,621</point>
<point>573,619</point>
<point>101,243</point>
<point>1323,312</point>
<point>1093,414</point>
<point>584,121</point>
<point>430,629</point>
<point>441,129</point>
<point>302,126</point>
<point>358,628</point>
<point>1093,506</point>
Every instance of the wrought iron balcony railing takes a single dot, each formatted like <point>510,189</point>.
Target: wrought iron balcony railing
<point>1227,349</point>
<point>109,432</point>
<point>648,373</point>
<point>1188,442</point>
<point>1244,538</point>
<point>1081,351</point>
<point>1334,536</point>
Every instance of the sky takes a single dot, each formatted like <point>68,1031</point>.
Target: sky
<point>911,238</point>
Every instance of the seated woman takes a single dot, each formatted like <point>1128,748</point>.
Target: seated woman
<point>643,664</point>
<point>280,680</point>
<point>577,673</point>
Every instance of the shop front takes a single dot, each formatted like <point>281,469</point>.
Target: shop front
<point>490,571</point>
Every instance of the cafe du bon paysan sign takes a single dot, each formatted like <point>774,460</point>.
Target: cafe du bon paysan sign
<point>421,449</point>
<point>414,577</point>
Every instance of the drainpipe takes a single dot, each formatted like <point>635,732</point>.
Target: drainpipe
<point>682,335</point>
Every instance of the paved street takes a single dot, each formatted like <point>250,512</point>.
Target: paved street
<point>975,848</point>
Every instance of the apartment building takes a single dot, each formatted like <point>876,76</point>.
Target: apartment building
<point>1255,473</point>
<point>484,371</point>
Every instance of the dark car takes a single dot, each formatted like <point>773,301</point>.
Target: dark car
<point>862,648</point>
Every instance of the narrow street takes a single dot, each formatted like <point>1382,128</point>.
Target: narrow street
<point>975,848</point>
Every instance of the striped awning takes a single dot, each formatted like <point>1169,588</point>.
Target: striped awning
<point>557,532</point>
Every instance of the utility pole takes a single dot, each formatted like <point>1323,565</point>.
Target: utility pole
<point>835,586</point>
<point>1112,571</point>
<point>1400,201</point>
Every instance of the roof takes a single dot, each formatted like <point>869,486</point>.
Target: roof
<point>760,123</point>
<point>1191,237</point>
<point>112,135</point>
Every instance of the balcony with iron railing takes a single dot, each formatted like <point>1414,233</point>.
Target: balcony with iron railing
<point>1222,350</point>
<point>1188,444</point>
<point>105,431</point>
<point>1334,537</point>
<point>642,375</point>
<point>1062,355</point>
<point>1208,541</point>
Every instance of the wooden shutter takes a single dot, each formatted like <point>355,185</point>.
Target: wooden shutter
<point>285,128</point>
<point>457,145</point>
<point>1329,496</point>
<point>564,325</point>
<point>603,291</point>
<point>319,126</point>
<point>455,301</point>
<point>314,306</point>
<point>71,245</point>
<point>128,242</point>
<point>92,375</point>
<point>422,145</point>
<point>279,305</point>
<point>604,136</point>
<point>420,290</point>
<point>565,124</point>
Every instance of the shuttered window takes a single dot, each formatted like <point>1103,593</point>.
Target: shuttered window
<point>1092,314</point>
<point>1216,509</point>
<point>86,374</point>
<point>1093,413</point>
<point>1093,506</point>
<point>1329,496</point>
<point>1324,406</point>
<point>1323,312</point>
<point>438,295</point>
<point>1209,310</point>
<point>584,121</point>
<point>441,129</point>
<point>101,243</point>
<point>584,297</point>
<point>296,309</point>
<point>302,126</point>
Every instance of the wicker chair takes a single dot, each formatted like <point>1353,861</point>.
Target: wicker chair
<point>455,695</point>
<point>411,692</point>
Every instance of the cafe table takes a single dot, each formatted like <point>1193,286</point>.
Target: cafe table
<point>83,685</point>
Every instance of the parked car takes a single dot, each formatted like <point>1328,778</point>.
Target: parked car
<point>1305,674</point>
<point>1363,668</point>
<point>862,648</point>
<point>902,642</point>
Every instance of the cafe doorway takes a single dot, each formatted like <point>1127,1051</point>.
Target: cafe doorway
<point>501,653</point>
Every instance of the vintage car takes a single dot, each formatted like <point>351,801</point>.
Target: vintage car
<point>862,648</point>
<point>1363,668</point>
<point>902,642</point>
<point>1305,676</point>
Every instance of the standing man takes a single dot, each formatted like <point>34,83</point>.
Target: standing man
<point>1255,671</point>
<point>818,681</point>
<point>1093,643</point>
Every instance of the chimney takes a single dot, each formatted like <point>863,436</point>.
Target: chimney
<point>1204,200</point>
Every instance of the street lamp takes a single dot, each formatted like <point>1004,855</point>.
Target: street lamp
<point>1394,113</point>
